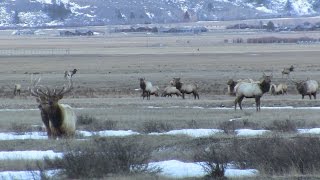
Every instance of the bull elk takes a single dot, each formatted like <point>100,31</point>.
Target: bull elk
<point>252,90</point>
<point>59,119</point>
<point>307,87</point>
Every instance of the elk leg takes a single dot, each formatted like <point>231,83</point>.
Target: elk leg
<point>182,95</point>
<point>240,102</point>
<point>315,95</point>
<point>257,103</point>
<point>309,96</point>
<point>45,120</point>
<point>195,94</point>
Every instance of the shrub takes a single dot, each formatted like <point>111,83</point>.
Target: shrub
<point>280,155</point>
<point>93,124</point>
<point>85,119</point>
<point>215,158</point>
<point>192,124</point>
<point>283,126</point>
<point>105,156</point>
<point>230,126</point>
<point>155,126</point>
<point>20,128</point>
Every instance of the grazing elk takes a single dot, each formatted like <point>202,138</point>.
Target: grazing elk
<point>278,89</point>
<point>252,90</point>
<point>231,84</point>
<point>171,90</point>
<point>154,91</point>
<point>185,88</point>
<point>287,71</point>
<point>307,87</point>
<point>59,119</point>
<point>17,89</point>
<point>146,87</point>
<point>69,74</point>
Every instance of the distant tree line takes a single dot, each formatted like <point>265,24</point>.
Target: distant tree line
<point>57,10</point>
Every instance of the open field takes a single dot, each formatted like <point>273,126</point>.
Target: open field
<point>107,82</point>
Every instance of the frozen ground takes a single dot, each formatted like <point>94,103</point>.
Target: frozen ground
<point>170,168</point>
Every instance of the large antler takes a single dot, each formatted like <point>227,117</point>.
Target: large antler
<point>44,91</point>
<point>37,90</point>
<point>65,89</point>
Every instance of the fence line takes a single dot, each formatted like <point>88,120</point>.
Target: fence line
<point>34,52</point>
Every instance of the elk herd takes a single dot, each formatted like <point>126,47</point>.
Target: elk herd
<point>60,119</point>
<point>241,88</point>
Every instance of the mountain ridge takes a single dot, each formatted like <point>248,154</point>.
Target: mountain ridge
<point>48,13</point>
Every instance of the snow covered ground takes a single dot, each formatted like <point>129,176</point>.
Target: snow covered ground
<point>195,133</point>
<point>170,168</point>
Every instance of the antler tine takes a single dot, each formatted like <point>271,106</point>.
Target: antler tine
<point>65,90</point>
<point>33,87</point>
<point>37,90</point>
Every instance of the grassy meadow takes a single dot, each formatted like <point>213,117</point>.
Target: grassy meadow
<point>106,89</point>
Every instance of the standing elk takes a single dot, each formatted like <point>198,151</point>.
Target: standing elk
<point>307,87</point>
<point>185,88</point>
<point>278,89</point>
<point>146,87</point>
<point>252,90</point>
<point>59,119</point>
<point>69,74</point>
<point>287,71</point>
<point>17,89</point>
<point>154,91</point>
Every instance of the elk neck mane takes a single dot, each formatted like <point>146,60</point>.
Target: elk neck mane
<point>264,86</point>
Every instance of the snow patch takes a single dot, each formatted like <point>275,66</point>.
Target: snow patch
<point>251,132</point>
<point>29,155</point>
<point>192,132</point>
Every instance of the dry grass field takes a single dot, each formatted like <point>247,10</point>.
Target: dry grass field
<point>110,66</point>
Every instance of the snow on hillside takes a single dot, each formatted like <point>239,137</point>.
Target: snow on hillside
<point>40,13</point>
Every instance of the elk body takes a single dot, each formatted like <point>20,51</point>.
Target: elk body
<point>154,91</point>
<point>252,90</point>
<point>185,88</point>
<point>146,87</point>
<point>278,89</point>
<point>308,87</point>
<point>171,90</point>
<point>59,119</point>
<point>17,89</point>
<point>286,71</point>
<point>69,74</point>
<point>231,84</point>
